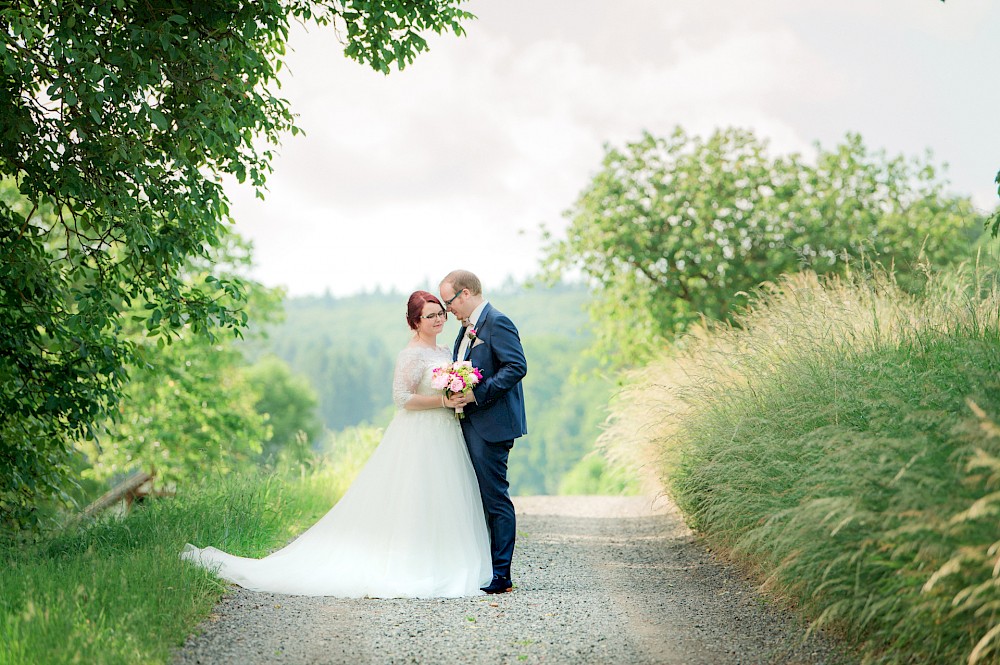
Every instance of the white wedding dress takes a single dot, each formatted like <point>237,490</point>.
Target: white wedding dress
<point>410,526</point>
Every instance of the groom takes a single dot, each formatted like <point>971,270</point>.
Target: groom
<point>494,411</point>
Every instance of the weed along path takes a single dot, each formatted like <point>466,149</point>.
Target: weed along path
<point>598,580</point>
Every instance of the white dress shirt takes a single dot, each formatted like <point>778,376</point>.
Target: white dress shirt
<point>473,319</point>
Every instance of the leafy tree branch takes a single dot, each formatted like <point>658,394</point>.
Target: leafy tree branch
<point>674,228</point>
<point>120,121</point>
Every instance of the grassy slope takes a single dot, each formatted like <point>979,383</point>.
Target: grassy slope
<point>835,445</point>
<point>116,591</point>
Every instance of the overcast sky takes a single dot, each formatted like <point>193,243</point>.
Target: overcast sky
<point>457,160</point>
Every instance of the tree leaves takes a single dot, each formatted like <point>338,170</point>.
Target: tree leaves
<point>675,228</point>
<point>119,122</point>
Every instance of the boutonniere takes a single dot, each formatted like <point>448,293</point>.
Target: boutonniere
<point>471,334</point>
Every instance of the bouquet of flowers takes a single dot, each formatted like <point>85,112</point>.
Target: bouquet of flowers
<point>454,378</point>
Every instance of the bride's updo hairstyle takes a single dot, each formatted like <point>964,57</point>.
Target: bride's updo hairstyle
<point>415,306</point>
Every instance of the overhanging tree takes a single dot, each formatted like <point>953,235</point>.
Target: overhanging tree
<point>189,408</point>
<point>119,120</point>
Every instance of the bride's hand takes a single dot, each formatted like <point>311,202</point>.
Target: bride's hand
<point>453,401</point>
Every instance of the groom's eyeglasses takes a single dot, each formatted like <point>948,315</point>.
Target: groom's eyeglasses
<point>447,303</point>
<point>436,315</point>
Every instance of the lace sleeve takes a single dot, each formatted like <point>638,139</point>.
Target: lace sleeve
<point>409,370</point>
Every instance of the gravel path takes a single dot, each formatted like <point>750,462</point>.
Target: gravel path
<point>598,580</point>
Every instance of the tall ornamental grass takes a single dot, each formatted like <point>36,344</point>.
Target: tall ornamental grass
<point>841,442</point>
<point>116,591</point>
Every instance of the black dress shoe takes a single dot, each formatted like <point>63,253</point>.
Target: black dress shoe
<point>499,584</point>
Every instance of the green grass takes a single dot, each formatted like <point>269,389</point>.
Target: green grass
<point>841,444</point>
<point>595,474</point>
<point>116,591</point>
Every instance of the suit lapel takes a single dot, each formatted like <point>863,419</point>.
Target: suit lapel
<point>458,343</point>
<point>481,325</point>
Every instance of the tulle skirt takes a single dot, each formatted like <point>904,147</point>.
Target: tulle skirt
<point>410,526</point>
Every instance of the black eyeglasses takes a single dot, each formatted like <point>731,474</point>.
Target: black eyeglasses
<point>436,315</point>
<point>447,303</point>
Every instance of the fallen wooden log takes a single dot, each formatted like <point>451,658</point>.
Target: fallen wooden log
<point>128,489</point>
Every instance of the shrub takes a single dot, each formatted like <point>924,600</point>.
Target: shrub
<point>841,443</point>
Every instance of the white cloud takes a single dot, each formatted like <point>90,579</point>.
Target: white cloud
<point>400,178</point>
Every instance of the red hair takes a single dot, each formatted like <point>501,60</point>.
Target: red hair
<point>415,306</point>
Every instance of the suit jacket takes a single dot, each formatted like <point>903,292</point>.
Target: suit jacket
<point>498,414</point>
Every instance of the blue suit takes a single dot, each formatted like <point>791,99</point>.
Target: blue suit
<point>494,421</point>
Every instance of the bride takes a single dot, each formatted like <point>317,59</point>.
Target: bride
<point>411,525</point>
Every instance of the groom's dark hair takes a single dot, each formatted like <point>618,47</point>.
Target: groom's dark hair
<point>463,279</point>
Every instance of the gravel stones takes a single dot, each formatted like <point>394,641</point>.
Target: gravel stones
<point>597,580</point>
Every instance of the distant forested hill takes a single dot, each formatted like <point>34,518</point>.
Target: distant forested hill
<point>347,348</point>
